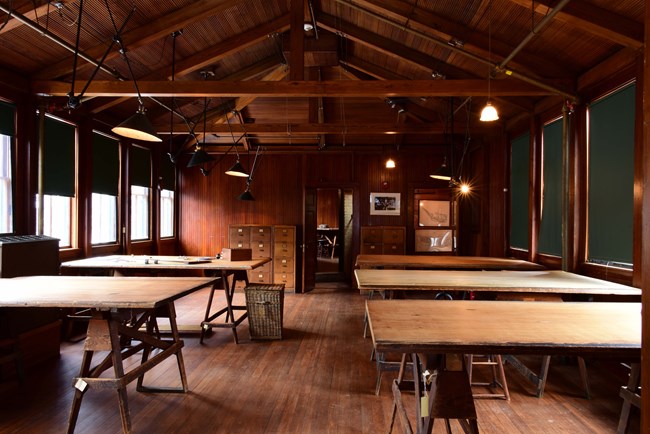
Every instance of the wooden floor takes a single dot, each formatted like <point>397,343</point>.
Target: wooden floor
<point>318,379</point>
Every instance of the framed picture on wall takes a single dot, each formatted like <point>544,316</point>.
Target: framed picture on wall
<point>384,203</point>
<point>434,240</point>
<point>433,213</point>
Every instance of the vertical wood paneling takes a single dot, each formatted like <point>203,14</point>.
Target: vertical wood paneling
<point>208,204</point>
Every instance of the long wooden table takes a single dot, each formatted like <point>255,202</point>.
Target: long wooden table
<point>124,313</point>
<point>209,266</point>
<point>419,327</point>
<point>520,285</point>
<point>444,262</point>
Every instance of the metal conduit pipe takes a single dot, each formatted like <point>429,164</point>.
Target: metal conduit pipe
<point>460,51</point>
<point>533,33</point>
<point>34,26</point>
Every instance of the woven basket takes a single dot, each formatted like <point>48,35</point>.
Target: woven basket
<point>265,305</point>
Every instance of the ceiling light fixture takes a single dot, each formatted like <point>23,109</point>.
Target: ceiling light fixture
<point>137,126</point>
<point>247,195</point>
<point>237,169</point>
<point>390,163</point>
<point>489,112</point>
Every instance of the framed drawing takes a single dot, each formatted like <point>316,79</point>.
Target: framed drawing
<point>384,203</point>
<point>434,240</point>
<point>433,213</point>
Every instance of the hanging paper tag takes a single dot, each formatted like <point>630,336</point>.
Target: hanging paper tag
<point>424,406</point>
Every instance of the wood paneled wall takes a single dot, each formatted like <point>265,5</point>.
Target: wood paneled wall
<point>208,204</point>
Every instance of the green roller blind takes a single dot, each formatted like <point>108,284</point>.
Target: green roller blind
<point>106,165</point>
<point>140,166</point>
<point>519,181</point>
<point>550,230</point>
<point>611,177</point>
<point>7,119</point>
<point>59,158</point>
<point>167,173</point>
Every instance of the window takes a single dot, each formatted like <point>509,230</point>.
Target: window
<point>6,213</point>
<point>140,170</point>
<point>59,203</point>
<point>105,194</point>
<point>166,213</point>
<point>550,229</point>
<point>167,187</point>
<point>139,213</point>
<point>611,178</point>
<point>519,181</point>
<point>7,119</point>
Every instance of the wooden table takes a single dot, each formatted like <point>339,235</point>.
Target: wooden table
<point>499,327</point>
<point>124,312</point>
<point>444,262</point>
<point>121,264</point>
<point>520,285</point>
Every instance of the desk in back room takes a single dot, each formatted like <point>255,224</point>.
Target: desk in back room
<point>125,264</point>
<point>497,327</point>
<point>444,262</point>
<point>123,309</point>
<point>520,285</point>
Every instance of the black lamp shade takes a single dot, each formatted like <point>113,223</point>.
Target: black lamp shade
<point>247,195</point>
<point>137,127</point>
<point>199,157</point>
<point>442,173</point>
<point>237,170</point>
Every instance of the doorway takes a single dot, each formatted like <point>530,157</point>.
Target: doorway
<point>333,233</point>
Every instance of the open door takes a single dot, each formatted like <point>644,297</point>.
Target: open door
<point>310,245</point>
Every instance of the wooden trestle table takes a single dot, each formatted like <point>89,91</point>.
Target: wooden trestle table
<point>444,262</point>
<point>419,327</point>
<point>209,266</point>
<point>548,285</point>
<point>124,312</point>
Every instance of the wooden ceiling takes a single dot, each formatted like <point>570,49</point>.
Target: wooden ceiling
<point>368,72</point>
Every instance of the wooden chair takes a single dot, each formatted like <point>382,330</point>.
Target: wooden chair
<point>631,394</point>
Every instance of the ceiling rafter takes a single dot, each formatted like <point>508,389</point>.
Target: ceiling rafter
<point>445,29</point>
<point>144,34</point>
<point>370,88</point>
<point>595,20</point>
<point>26,8</point>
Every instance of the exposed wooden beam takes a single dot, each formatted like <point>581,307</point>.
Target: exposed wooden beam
<point>379,88</point>
<point>297,40</point>
<point>447,30</point>
<point>27,10</point>
<point>143,35</point>
<point>279,129</point>
<point>595,20</point>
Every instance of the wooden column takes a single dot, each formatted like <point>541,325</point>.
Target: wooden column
<point>645,235</point>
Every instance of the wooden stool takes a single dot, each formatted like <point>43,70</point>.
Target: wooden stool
<point>495,362</point>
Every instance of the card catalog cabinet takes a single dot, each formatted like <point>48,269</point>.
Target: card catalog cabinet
<point>284,256</point>
<point>275,242</point>
<point>383,240</point>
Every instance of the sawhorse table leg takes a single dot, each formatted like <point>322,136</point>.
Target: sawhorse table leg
<point>229,291</point>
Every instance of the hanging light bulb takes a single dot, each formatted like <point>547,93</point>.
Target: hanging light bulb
<point>443,172</point>
<point>489,112</point>
<point>390,163</point>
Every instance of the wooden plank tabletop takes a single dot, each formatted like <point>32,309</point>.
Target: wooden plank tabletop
<point>545,281</point>
<point>505,327</point>
<point>100,292</point>
<point>164,262</point>
<point>446,262</point>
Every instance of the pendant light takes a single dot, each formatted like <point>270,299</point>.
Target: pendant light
<point>247,195</point>
<point>390,163</point>
<point>489,112</point>
<point>137,126</point>
<point>443,172</point>
<point>237,169</point>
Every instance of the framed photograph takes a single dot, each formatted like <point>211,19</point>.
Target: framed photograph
<point>434,240</point>
<point>384,203</point>
<point>433,213</point>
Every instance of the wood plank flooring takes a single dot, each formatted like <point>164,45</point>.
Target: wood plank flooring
<point>318,379</point>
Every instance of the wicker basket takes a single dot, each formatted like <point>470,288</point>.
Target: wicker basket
<point>265,305</point>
